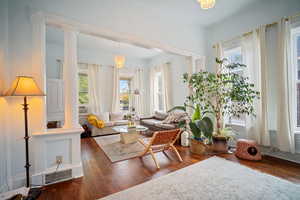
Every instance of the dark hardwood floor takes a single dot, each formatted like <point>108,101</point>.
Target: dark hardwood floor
<point>101,177</point>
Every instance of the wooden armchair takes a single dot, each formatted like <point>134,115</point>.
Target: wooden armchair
<point>161,141</point>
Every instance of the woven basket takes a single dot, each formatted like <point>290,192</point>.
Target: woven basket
<point>197,147</point>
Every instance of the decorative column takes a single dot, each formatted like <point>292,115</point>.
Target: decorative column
<point>38,71</point>
<point>70,77</point>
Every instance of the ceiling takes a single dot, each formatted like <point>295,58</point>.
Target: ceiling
<point>190,11</point>
<point>176,12</point>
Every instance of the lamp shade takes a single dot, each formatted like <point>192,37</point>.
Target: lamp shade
<point>119,61</point>
<point>206,4</point>
<point>24,86</point>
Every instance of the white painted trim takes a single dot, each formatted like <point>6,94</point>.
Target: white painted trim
<point>58,131</point>
<point>64,23</point>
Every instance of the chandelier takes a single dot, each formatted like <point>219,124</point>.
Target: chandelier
<point>119,61</point>
<point>206,4</point>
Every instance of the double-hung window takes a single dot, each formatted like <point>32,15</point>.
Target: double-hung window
<point>125,89</point>
<point>234,55</point>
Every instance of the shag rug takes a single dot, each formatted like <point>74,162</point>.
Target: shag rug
<point>115,150</point>
<point>215,179</point>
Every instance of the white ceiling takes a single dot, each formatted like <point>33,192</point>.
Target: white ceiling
<point>190,11</point>
<point>166,11</point>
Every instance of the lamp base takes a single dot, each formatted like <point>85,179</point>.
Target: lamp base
<point>33,193</point>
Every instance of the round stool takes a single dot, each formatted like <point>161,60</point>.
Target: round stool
<point>247,149</point>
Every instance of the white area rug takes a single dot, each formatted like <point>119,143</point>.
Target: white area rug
<point>214,179</point>
<point>115,150</point>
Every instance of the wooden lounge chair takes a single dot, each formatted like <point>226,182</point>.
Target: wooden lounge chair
<point>161,141</point>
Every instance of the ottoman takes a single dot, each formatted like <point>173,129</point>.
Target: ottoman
<point>247,149</point>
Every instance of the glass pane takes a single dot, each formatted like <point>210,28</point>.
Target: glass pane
<point>83,98</point>
<point>83,83</point>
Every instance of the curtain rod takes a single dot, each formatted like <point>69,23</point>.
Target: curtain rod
<point>267,26</point>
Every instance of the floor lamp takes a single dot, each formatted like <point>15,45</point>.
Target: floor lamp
<point>26,86</point>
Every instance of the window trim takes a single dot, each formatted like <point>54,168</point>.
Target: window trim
<point>295,33</point>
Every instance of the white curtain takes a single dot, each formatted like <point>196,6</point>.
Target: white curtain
<point>95,88</point>
<point>255,57</point>
<point>153,72</point>
<point>166,85</point>
<point>286,86</point>
<point>138,86</point>
<point>165,71</point>
<point>116,91</point>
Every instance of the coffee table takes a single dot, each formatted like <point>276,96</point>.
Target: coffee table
<point>129,135</point>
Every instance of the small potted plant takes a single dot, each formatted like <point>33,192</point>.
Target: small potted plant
<point>223,93</point>
<point>200,125</point>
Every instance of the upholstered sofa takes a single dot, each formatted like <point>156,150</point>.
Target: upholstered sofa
<point>110,119</point>
<point>159,121</point>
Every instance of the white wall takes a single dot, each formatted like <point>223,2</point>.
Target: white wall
<point>261,12</point>
<point>179,66</point>
<point>4,172</point>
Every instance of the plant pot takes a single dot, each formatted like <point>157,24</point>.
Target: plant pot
<point>220,144</point>
<point>197,146</point>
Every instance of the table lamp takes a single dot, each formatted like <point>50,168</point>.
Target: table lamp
<point>26,86</point>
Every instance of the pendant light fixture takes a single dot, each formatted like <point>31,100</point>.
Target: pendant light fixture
<point>119,60</point>
<point>206,4</point>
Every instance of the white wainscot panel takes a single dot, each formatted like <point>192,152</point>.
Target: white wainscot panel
<point>52,143</point>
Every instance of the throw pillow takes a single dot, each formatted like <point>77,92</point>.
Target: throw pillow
<point>116,116</point>
<point>160,115</point>
<point>174,117</point>
<point>104,116</point>
<point>93,120</point>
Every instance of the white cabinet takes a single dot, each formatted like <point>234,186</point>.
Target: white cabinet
<point>55,100</point>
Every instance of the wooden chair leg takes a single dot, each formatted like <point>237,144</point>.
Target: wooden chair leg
<point>176,152</point>
<point>154,158</point>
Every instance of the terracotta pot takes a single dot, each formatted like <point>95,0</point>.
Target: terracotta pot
<point>197,147</point>
<point>220,144</point>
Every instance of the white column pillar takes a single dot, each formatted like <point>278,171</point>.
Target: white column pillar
<point>70,77</point>
<point>38,71</point>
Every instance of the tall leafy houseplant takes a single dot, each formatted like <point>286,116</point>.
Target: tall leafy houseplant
<point>222,93</point>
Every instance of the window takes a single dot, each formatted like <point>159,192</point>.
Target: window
<point>124,94</point>
<point>158,96</point>
<point>234,55</point>
<point>296,63</point>
<point>83,92</point>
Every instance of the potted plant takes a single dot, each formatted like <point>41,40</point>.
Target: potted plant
<point>223,93</point>
<point>200,125</point>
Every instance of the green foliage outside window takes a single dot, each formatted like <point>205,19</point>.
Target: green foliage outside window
<point>83,89</point>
